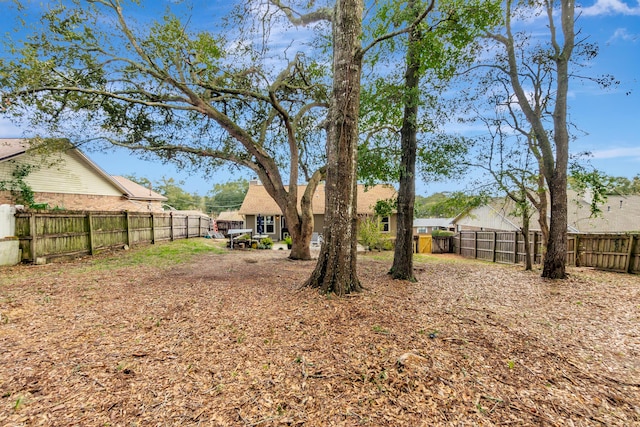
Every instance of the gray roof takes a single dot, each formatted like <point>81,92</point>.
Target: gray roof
<point>432,222</point>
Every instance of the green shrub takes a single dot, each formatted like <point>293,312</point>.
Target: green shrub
<point>370,235</point>
<point>440,233</point>
<point>266,243</point>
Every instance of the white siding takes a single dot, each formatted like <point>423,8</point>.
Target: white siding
<point>62,173</point>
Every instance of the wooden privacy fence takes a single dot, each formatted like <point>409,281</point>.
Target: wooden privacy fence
<point>615,252</point>
<point>52,234</point>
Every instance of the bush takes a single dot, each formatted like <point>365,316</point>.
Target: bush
<point>265,243</point>
<point>370,235</point>
<point>442,233</point>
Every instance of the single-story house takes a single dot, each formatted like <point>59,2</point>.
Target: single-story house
<point>618,214</point>
<point>68,179</point>
<point>427,225</point>
<point>258,202</point>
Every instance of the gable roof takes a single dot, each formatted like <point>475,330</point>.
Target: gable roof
<point>11,148</point>
<point>258,201</point>
<point>136,191</point>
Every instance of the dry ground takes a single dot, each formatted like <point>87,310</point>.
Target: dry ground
<point>230,340</point>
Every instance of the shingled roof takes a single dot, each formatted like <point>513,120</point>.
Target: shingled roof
<point>137,191</point>
<point>11,147</point>
<point>258,201</point>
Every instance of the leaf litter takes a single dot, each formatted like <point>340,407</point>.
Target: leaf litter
<point>232,340</point>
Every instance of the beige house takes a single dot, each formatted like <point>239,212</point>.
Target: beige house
<point>618,214</point>
<point>68,179</point>
<point>258,202</point>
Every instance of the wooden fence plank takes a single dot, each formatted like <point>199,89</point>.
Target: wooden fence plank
<point>614,252</point>
<point>53,234</point>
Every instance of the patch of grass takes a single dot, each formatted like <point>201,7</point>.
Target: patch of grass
<point>19,402</point>
<point>380,330</point>
<point>160,255</point>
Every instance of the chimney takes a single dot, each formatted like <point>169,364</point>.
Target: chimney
<point>254,181</point>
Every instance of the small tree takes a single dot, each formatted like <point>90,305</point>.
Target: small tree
<point>370,233</point>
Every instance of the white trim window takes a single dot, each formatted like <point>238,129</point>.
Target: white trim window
<point>269,224</point>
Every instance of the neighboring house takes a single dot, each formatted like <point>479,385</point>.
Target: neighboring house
<point>228,220</point>
<point>494,216</point>
<point>145,198</point>
<point>427,225</point>
<point>618,214</point>
<point>68,179</point>
<point>258,202</point>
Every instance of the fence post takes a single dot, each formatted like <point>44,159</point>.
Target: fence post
<point>153,230</point>
<point>33,232</point>
<point>534,252</point>
<point>90,233</point>
<point>475,244</point>
<point>186,220</point>
<point>495,240</point>
<point>627,263</point>
<point>515,247</point>
<point>128,224</point>
<point>171,226</point>
<point>576,250</point>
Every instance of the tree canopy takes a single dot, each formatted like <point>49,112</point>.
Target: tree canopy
<point>168,90</point>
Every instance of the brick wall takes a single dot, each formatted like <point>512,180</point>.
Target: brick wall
<point>88,202</point>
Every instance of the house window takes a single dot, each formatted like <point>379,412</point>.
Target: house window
<point>384,221</point>
<point>422,230</point>
<point>269,224</point>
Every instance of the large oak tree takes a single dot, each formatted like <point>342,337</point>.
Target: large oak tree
<point>93,74</point>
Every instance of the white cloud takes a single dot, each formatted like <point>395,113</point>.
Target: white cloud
<point>611,7</point>
<point>615,153</point>
<point>623,34</point>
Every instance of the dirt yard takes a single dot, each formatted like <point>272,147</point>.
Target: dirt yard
<point>231,340</point>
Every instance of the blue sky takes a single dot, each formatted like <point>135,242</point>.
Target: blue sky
<point>608,120</point>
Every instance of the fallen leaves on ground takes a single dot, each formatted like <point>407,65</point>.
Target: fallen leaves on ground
<point>231,340</point>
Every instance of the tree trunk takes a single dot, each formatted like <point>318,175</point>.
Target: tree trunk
<point>299,222</point>
<point>300,232</point>
<point>542,205</point>
<point>403,254</point>
<point>556,256</point>
<point>554,163</point>
<point>336,267</point>
<point>304,229</point>
<point>528,265</point>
